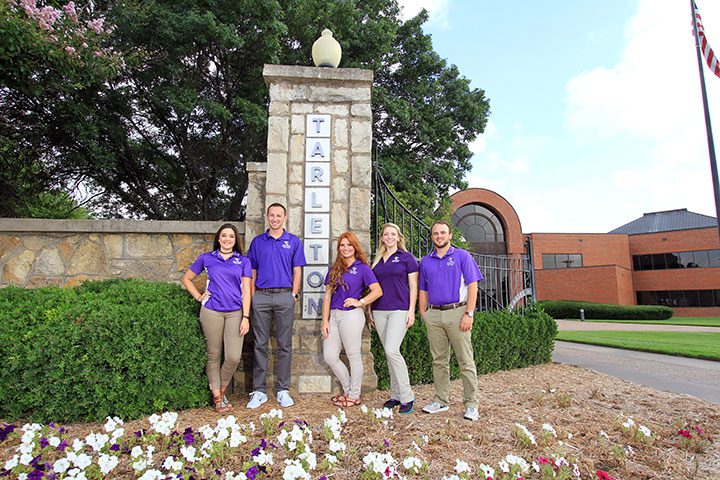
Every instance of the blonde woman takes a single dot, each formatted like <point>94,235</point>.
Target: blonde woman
<point>397,272</point>
<point>343,318</point>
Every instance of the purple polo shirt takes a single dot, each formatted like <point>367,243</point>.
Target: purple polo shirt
<point>357,277</point>
<point>224,279</point>
<point>275,258</point>
<point>393,278</point>
<point>446,279</point>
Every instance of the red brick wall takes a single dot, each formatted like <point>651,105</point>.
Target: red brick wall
<point>596,248</point>
<point>697,312</point>
<point>678,241</point>
<point>602,284</point>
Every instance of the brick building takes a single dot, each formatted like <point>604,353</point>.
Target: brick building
<point>662,258</point>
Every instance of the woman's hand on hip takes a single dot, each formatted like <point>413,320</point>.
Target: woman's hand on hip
<point>353,302</point>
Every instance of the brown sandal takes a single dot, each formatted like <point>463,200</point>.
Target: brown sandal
<point>346,401</point>
<point>226,402</point>
<point>220,407</point>
<point>337,399</point>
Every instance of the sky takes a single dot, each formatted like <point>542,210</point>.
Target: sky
<point>596,112</point>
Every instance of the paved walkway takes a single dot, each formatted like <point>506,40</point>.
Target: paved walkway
<point>699,378</point>
<point>577,325</point>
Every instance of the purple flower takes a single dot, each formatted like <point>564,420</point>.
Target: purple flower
<point>44,442</point>
<point>281,424</point>
<point>61,430</point>
<point>255,451</point>
<point>323,478</point>
<point>139,433</point>
<point>35,462</point>
<point>188,436</point>
<point>301,423</point>
<point>252,472</point>
<point>51,424</point>
<point>263,443</point>
<point>386,442</point>
<point>35,475</point>
<point>114,447</point>
<point>63,445</point>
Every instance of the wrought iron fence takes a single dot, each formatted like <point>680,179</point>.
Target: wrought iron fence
<point>509,281</point>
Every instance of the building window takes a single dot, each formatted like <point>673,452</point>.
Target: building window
<point>561,260</point>
<point>664,261</point>
<point>680,298</point>
<point>482,229</point>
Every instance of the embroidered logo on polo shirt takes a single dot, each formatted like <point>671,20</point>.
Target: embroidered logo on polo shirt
<point>450,262</point>
<point>237,261</point>
<point>286,244</point>
<point>396,259</point>
<point>353,271</point>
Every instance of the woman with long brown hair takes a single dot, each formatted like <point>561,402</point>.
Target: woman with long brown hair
<point>343,317</point>
<point>225,311</point>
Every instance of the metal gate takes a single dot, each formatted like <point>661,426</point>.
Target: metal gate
<point>509,281</point>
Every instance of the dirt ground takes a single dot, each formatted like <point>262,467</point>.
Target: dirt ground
<point>578,403</point>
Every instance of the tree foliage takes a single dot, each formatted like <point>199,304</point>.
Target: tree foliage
<point>169,134</point>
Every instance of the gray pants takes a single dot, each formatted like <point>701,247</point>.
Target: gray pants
<point>265,306</point>
<point>221,329</point>
<point>391,329</point>
<point>443,331</point>
<point>346,328</point>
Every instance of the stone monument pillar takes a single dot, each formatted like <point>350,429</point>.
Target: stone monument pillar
<point>319,167</point>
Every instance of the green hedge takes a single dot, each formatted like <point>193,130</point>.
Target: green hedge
<point>501,340</point>
<point>117,347</point>
<point>571,309</point>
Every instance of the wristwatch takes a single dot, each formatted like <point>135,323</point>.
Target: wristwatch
<point>296,295</point>
<point>469,314</point>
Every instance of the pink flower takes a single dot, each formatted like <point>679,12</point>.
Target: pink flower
<point>603,475</point>
<point>96,25</point>
<point>685,433</point>
<point>544,461</point>
<point>70,50</point>
<point>699,430</point>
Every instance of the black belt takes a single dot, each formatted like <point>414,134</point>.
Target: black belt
<point>273,290</point>
<point>449,306</point>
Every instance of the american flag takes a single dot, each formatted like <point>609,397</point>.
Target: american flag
<point>707,52</point>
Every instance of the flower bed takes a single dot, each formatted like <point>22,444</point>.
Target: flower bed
<point>532,435</point>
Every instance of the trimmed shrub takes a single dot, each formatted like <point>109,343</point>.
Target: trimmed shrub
<point>571,309</point>
<point>116,347</point>
<point>501,340</point>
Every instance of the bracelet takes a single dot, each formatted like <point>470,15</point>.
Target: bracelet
<point>246,316</point>
<point>362,302</point>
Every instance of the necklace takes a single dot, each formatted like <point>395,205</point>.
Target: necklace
<point>225,253</point>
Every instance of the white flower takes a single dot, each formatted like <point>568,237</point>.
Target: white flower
<point>60,466</point>
<point>519,461</point>
<point>107,463</point>
<point>425,438</point>
<point>171,464</point>
<point>82,461</point>
<point>25,459</point>
<point>78,445</point>
<point>12,463</point>
<point>530,419</point>
<point>117,433</point>
<point>232,476</point>
<point>461,466</point>
<point>549,428</point>
<point>504,467</point>
<point>527,433</point>
<point>189,453</point>
<point>54,441</point>
<point>207,432</point>
<point>412,463</point>
<point>451,477</point>
<point>363,408</point>
<point>139,465</point>
<point>336,447</point>
<point>97,441</point>
<point>487,470</point>
<point>263,458</point>
<point>164,424</point>
<point>136,451</point>
<point>294,470</point>
<point>112,424</point>
<point>569,436</point>
<point>629,423</point>
<point>152,475</point>
<point>604,435</point>
<point>645,431</point>
<point>309,458</point>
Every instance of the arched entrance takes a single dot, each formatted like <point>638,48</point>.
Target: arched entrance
<point>482,229</point>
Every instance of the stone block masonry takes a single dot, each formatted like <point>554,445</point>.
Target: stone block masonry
<point>36,253</point>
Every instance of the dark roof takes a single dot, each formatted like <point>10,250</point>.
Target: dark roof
<point>666,221</point>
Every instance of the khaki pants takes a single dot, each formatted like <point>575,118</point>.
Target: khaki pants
<point>221,329</point>
<point>346,329</point>
<point>391,329</point>
<point>443,331</point>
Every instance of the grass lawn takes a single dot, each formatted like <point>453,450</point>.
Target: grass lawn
<point>692,321</point>
<point>683,344</point>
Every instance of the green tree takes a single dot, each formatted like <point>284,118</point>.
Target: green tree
<point>169,137</point>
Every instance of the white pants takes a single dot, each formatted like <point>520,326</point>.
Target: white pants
<point>391,329</point>
<point>346,328</point>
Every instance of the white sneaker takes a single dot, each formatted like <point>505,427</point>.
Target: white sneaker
<point>471,413</point>
<point>284,399</point>
<point>435,407</point>
<point>256,399</point>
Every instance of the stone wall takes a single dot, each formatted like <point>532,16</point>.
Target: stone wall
<point>36,253</point>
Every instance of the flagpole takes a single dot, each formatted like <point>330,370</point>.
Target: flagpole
<point>708,127</point>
